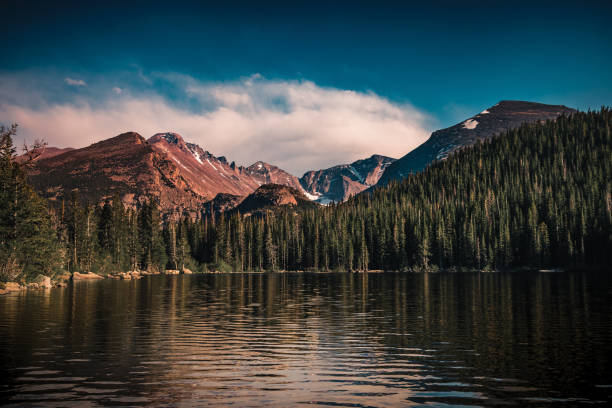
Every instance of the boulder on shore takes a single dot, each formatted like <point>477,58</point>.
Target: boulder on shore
<point>171,272</point>
<point>43,282</point>
<point>10,287</point>
<point>85,276</point>
<point>187,271</point>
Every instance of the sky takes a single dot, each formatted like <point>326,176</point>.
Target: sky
<point>302,85</point>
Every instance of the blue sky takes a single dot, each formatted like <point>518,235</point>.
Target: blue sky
<point>440,63</point>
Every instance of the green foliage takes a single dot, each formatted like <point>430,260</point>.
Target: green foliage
<point>222,266</point>
<point>28,245</point>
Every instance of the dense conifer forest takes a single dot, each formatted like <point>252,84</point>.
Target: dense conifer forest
<point>537,197</point>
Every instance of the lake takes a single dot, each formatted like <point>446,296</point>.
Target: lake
<point>339,340</point>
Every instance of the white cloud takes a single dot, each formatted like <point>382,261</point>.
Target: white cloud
<point>295,125</point>
<point>75,82</point>
<point>117,90</point>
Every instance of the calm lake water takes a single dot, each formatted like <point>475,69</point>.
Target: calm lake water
<point>341,340</point>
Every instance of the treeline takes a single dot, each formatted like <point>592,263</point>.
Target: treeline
<point>28,241</point>
<point>36,239</point>
<point>539,196</point>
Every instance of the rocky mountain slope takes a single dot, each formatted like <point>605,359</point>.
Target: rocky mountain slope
<point>45,153</point>
<point>497,119</point>
<point>207,175</point>
<point>181,175</point>
<point>125,165</point>
<point>266,173</point>
<point>223,202</point>
<point>274,195</point>
<point>340,182</point>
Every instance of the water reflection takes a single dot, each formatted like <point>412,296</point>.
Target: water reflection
<point>329,339</point>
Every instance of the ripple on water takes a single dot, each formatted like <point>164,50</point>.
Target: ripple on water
<point>306,339</point>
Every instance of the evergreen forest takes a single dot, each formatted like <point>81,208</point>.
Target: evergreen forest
<point>539,197</point>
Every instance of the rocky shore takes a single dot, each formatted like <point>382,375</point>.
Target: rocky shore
<point>45,282</point>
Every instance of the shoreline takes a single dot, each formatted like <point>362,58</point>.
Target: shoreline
<point>44,282</point>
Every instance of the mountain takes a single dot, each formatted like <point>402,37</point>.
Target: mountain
<point>497,119</point>
<point>272,196</point>
<point>181,175</point>
<point>125,165</point>
<point>266,173</point>
<point>340,182</point>
<point>207,175</point>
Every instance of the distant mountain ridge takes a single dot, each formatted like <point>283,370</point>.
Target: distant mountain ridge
<point>340,182</point>
<point>182,176</point>
<point>497,119</point>
<point>187,179</point>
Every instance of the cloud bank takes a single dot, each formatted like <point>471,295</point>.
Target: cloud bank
<point>296,125</point>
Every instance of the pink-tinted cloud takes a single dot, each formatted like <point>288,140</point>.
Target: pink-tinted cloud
<point>296,125</point>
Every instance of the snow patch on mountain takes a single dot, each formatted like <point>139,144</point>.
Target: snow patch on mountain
<point>311,197</point>
<point>197,157</point>
<point>470,124</point>
<point>211,165</point>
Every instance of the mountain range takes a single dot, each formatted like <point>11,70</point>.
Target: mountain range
<point>340,182</point>
<point>186,179</point>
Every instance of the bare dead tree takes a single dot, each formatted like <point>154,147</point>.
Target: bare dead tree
<point>32,152</point>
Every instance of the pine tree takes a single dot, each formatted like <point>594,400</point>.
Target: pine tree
<point>28,244</point>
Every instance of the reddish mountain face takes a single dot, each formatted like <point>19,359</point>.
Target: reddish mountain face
<point>497,119</point>
<point>207,175</point>
<point>125,165</point>
<point>181,175</point>
<point>338,183</point>
<point>53,151</point>
<point>45,153</point>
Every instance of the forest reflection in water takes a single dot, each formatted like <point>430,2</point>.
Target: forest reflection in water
<point>341,339</point>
